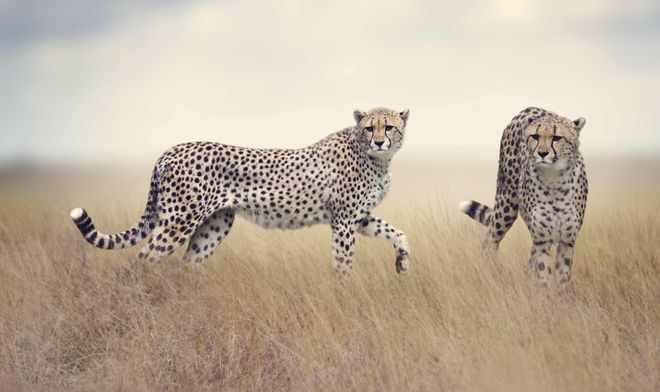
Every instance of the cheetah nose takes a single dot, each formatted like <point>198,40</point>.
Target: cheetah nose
<point>543,154</point>
<point>380,143</point>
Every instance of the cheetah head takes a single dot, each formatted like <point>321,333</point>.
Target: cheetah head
<point>381,130</point>
<point>553,141</point>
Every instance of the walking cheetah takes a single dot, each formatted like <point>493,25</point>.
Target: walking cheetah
<point>541,173</point>
<point>198,188</point>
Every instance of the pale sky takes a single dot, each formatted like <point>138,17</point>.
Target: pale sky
<point>125,80</point>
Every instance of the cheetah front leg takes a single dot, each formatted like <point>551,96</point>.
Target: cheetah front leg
<point>209,235</point>
<point>372,226</point>
<point>564,262</point>
<point>540,260</point>
<point>343,245</point>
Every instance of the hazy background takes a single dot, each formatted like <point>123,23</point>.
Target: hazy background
<point>92,92</point>
<point>98,81</point>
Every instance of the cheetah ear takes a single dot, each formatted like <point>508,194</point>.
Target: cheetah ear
<point>404,116</point>
<point>579,123</point>
<point>358,116</point>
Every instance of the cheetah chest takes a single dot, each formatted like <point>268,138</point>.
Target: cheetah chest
<point>549,210</point>
<point>378,190</point>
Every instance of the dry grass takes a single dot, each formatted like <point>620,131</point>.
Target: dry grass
<point>266,313</point>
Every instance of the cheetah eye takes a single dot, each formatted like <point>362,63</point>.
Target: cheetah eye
<point>535,136</point>
<point>369,129</point>
<point>389,127</point>
<point>556,138</point>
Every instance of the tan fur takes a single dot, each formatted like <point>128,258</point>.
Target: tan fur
<point>542,176</point>
<point>198,188</point>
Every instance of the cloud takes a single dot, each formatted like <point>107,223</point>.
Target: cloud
<point>264,74</point>
<point>26,21</point>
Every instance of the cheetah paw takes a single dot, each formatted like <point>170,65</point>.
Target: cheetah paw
<point>402,264</point>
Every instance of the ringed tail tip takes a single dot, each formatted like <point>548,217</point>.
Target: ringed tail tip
<point>77,213</point>
<point>465,205</point>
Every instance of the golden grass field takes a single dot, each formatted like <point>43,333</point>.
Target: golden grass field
<point>266,312</point>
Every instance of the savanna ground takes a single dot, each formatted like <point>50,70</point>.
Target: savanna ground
<point>266,313</point>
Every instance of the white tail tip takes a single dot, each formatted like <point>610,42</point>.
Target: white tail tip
<point>76,213</point>
<point>465,205</point>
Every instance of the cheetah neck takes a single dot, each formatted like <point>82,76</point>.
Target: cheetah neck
<point>381,163</point>
<point>554,175</point>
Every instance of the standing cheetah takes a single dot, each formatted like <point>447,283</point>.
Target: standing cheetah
<point>198,188</point>
<point>541,173</point>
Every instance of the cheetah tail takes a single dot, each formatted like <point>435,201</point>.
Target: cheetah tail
<point>126,238</point>
<point>477,211</point>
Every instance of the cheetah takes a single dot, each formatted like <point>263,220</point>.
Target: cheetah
<point>542,176</point>
<point>198,188</point>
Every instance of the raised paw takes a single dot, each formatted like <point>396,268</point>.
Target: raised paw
<point>402,263</point>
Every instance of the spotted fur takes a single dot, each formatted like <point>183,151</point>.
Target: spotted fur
<point>198,188</point>
<point>542,176</point>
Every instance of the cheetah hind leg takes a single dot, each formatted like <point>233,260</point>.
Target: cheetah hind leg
<point>209,235</point>
<point>163,242</point>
